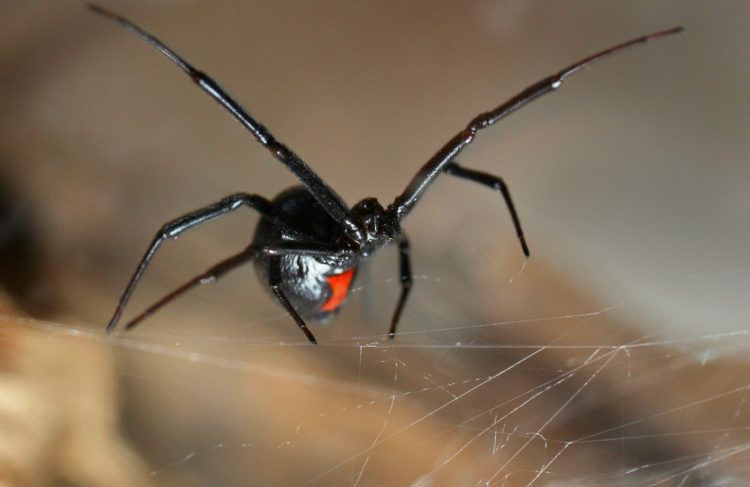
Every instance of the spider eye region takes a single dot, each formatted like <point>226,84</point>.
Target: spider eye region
<point>339,284</point>
<point>380,224</point>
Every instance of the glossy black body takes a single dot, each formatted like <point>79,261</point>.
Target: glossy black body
<point>307,235</point>
<point>303,276</point>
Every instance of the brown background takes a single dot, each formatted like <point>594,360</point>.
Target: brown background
<point>630,182</point>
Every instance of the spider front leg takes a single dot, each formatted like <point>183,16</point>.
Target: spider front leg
<point>493,182</point>
<point>406,283</point>
<point>405,202</point>
<point>324,194</point>
<point>177,227</point>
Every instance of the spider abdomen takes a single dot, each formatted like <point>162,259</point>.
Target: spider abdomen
<point>316,286</point>
<point>318,291</point>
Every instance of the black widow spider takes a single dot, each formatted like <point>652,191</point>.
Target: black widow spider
<point>308,243</point>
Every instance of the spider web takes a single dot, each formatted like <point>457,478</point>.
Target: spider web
<point>567,392</point>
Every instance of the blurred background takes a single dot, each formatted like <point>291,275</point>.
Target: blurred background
<point>616,354</point>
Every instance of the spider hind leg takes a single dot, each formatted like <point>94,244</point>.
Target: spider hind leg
<point>213,274</point>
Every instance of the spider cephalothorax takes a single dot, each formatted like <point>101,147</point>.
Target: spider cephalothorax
<point>308,244</point>
<point>381,226</point>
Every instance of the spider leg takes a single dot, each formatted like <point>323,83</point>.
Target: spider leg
<point>175,228</point>
<point>493,182</point>
<point>404,203</point>
<point>324,194</point>
<point>406,283</point>
<point>217,271</point>
<point>274,277</point>
<point>212,274</point>
<point>312,249</point>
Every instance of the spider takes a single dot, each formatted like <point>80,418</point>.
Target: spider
<point>308,244</point>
